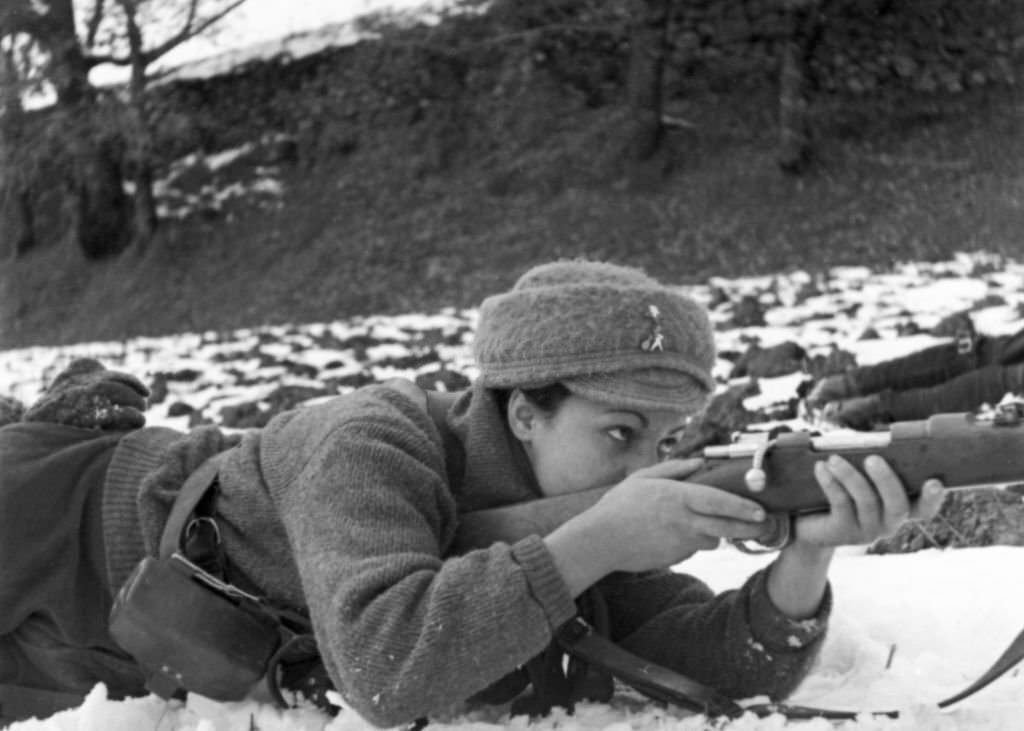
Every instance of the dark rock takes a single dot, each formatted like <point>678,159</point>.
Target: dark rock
<point>411,361</point>
<point>955,325</point>
<point>284,398</point>
<point>806,291</point>
<point>989,300</point>
<point>718,298</point>
<point>437,336</point>
<point>361,343</point>
<point>778,360</point>
<point>158,389</point>
<point>186,375</point>
<point>247,415</point>
<point>179,408</point>
<point>228,356</point>
<point>197,418</point>
<point>356,380</point>
<point>303,370</point>
<point>909,327</point>
<point>748,312</point>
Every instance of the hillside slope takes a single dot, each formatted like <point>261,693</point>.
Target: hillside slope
<point>401,222</point>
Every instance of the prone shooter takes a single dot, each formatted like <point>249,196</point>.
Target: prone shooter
<point>323,550</point>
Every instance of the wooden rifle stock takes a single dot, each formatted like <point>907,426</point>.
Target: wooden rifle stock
<point>961,450</point>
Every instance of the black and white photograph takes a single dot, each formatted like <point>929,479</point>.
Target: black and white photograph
<point>482,365</point>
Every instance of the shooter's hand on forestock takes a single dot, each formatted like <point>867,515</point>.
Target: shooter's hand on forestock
<point>88,396</point>
<point>863,505</point>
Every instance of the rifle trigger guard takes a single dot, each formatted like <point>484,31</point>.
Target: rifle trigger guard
<point>782,535</point>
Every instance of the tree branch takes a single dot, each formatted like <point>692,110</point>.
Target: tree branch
<point>187,31</point>
<point>93,26</point>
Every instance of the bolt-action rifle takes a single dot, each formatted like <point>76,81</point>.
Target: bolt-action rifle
<point>961,450</point>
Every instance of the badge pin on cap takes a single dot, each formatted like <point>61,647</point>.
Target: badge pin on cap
<point>656,339</point>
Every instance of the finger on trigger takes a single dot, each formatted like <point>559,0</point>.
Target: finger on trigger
<point>730,529</point>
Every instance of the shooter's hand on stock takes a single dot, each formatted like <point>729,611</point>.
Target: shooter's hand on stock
<point>650,520</point>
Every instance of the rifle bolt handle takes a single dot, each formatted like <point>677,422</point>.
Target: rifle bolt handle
<point>756,479</point>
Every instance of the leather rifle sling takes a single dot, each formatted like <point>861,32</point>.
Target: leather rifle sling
<point>580,640</point>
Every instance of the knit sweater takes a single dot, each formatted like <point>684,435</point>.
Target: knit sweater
<point>346,509</point>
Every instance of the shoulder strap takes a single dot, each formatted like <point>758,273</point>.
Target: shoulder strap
<point>580,641</point>
<point>196,488</point>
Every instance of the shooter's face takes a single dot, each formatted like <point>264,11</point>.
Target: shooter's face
<point>585,443</point>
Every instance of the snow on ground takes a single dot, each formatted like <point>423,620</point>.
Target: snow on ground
<point>908,630</point>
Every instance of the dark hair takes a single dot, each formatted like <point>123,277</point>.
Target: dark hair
<point>546,398</point>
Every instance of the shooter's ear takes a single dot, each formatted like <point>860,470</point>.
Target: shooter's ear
<point>522,416</point>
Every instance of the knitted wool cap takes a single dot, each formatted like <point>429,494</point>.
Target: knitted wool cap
<point>607,332</point>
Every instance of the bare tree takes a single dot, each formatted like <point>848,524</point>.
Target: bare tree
<point>804,26</point>
<point>114,32</point>
<point>645,131</point>
<point>121,27</point>
<point>93,171</point>
<point>16,225</point>
<point>648,44</point>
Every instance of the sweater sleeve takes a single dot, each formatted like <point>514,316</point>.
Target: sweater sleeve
<point>737,642</point>
<point>403,630</point>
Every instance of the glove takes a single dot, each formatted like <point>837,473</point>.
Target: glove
<point>88,396</point>
<point>831,388</point>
